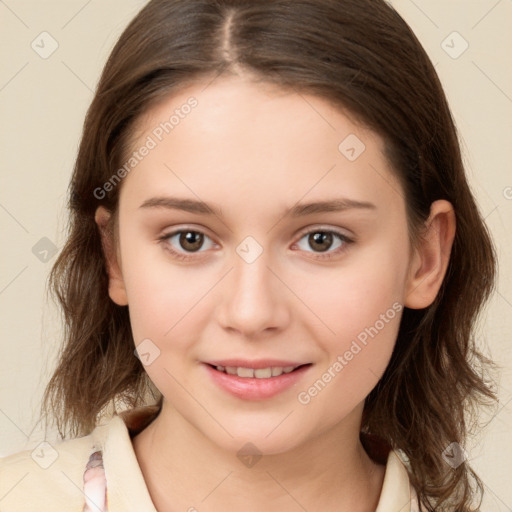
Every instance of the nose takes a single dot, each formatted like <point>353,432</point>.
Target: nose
<point>253,299</point>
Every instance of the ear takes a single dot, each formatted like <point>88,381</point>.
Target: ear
<point>116,288</point>
<point>430,259</point>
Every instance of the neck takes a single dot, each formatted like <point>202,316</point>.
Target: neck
<point>185,470</point>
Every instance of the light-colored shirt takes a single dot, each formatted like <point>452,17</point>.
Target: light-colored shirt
<point>51,478</point>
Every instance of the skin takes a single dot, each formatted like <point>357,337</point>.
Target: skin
<point>255,151</point>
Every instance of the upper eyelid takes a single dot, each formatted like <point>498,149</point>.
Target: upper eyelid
<point>327,229</point>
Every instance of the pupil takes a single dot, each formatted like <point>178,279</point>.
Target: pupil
<point>319,238</point>
<point>193,238</point>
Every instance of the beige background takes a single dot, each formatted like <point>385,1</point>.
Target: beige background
<point>43,102</point>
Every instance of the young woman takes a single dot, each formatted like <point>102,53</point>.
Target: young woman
<point>273,268</point>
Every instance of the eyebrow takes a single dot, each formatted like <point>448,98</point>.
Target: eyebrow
<point>299,210</point>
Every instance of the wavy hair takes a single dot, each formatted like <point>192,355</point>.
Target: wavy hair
<point>363,57</point>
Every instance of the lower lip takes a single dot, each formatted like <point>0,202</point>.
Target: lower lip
<point>253,388</point>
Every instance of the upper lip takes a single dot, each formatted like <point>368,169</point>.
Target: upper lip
<point>257,363</point>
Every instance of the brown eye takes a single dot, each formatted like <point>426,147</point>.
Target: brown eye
<point>330,243</point>
<point>187,241</point>
<point>320,240</point>
<point>191,240</point>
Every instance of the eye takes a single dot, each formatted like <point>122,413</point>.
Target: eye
<point>182,244</point>
<point>186,241</point>
<point>324,241</point>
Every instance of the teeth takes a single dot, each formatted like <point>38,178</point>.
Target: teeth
<point>276,371</point>
<point>260,373</point>
<point>263,373</point>
<point>245,372</point>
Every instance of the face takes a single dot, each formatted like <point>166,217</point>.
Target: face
<point>257,279</point>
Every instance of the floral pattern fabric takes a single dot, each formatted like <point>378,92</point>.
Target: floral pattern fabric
<point>95,484</point>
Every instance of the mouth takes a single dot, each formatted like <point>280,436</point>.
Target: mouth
<point>262,383</point>
<point>257,373</point>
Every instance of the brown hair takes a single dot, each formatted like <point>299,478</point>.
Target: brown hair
<point>362,56</point>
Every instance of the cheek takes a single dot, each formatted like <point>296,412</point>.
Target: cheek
<point>356,295</point>
<point>163,296</point>
<point>360,306</point>
<point>168,307</point>
<point>364,323</point>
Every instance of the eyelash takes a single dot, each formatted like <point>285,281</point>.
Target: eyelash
<point>320,256</point>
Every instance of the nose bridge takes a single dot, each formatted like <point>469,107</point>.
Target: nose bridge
<point>252,277</point>
<point>254,300</point>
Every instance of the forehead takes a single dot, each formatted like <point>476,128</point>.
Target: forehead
<point>234,140</point>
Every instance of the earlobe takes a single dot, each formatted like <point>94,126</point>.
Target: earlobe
<point>431,257</point>
<point>116,287</point>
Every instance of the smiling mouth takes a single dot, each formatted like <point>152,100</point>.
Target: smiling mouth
<point>258,373</point>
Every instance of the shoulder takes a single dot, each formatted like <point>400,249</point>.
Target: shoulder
<point>51,477</point>
<point>48,477</point>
